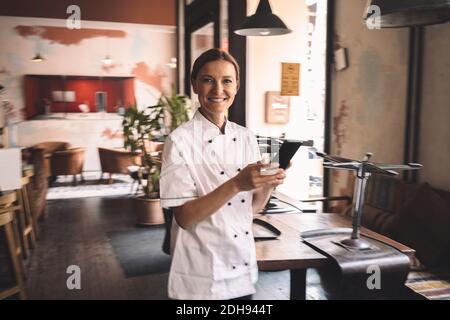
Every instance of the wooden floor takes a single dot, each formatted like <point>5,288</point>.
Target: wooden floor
<point>74,233</point>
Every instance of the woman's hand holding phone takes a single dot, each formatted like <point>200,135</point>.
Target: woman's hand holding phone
<point>251,177</point>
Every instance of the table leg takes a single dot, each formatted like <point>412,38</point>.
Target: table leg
<point>298,284</point>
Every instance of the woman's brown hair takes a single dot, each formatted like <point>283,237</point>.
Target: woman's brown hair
<point>213,55</point>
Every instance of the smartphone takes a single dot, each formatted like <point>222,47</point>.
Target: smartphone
<point>287,152</point>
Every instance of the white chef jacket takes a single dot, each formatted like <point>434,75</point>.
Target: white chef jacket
<point>215,258</point>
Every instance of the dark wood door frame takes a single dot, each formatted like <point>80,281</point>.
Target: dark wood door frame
<point>331,10</point>
<point>413,101</point>
<point>237,12</point>
<point>198,14</point>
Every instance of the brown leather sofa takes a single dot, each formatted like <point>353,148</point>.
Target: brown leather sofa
<point>416,215</point>
<point>116,161</point>
<point>67,162</point>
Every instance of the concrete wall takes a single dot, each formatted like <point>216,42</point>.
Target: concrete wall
<point>369,97</point>
<point>434,151</point>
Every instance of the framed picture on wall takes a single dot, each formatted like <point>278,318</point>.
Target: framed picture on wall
<point>277,108</point>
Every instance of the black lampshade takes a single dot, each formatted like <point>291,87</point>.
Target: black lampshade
<point>408,13</point>
<point>262,23</point>
<point>37,58</point>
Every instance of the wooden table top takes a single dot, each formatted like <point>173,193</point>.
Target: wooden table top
<point>289,252</point>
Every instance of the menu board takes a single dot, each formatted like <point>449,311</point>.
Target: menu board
<point>290,79</point>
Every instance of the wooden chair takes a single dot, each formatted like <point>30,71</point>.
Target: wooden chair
<point>7,222</point>
<point>31,203</point>
<point>49,148</point>
<point>68,162</point>
<point>27,224</point>
<point>116,161</point>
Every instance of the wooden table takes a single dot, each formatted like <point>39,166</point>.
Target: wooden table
<point>288,252</point>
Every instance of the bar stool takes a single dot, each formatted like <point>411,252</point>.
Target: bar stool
<point>8,202</point>
<point>29,173</point>
<point>7,223</point>
<point>26,223</point>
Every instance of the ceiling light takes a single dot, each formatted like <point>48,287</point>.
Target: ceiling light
<point>262,23</point>
<point>107,61</point>
<point>406,13</point>
<point>37,58</point>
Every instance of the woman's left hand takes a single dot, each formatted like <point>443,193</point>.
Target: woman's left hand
<point>276,179</point>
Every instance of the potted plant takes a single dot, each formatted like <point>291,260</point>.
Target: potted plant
<point>142,132</point>
<point>178,107</point>
<point>140,126</point>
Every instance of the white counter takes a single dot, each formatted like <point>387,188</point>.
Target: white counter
<point>79,116</point>
<point>88,130</point>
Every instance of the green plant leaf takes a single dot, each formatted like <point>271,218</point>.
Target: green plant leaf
<point>145,125</point>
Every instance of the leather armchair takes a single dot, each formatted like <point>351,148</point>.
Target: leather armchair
<point>49,147</point>
<point>116,161</point>
<point>67,162</point>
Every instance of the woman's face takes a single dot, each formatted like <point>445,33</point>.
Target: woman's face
<point>216,86</point>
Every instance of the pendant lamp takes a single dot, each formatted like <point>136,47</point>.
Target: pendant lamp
<point>262,23</point>
<point>37,58</point>
<point>107,61</point>
<point>408,13</point>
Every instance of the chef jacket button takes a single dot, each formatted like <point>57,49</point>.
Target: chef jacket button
<point>210,141</point>
<point>235,235</point>
<point>239,169</point>
<point>246,232</point>
<point>246,264</point>
<point>234,139</point>
<point>243,200</point>
<point>229,203</point>
<point>221,172</point>
<point>234,267</point>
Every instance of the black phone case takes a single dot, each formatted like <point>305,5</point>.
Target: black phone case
<point>287,152</point>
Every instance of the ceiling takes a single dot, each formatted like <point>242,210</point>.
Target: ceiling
<point>158,12</point>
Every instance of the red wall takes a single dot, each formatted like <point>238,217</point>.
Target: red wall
<point>31,97</point>
<point>38,88</point>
